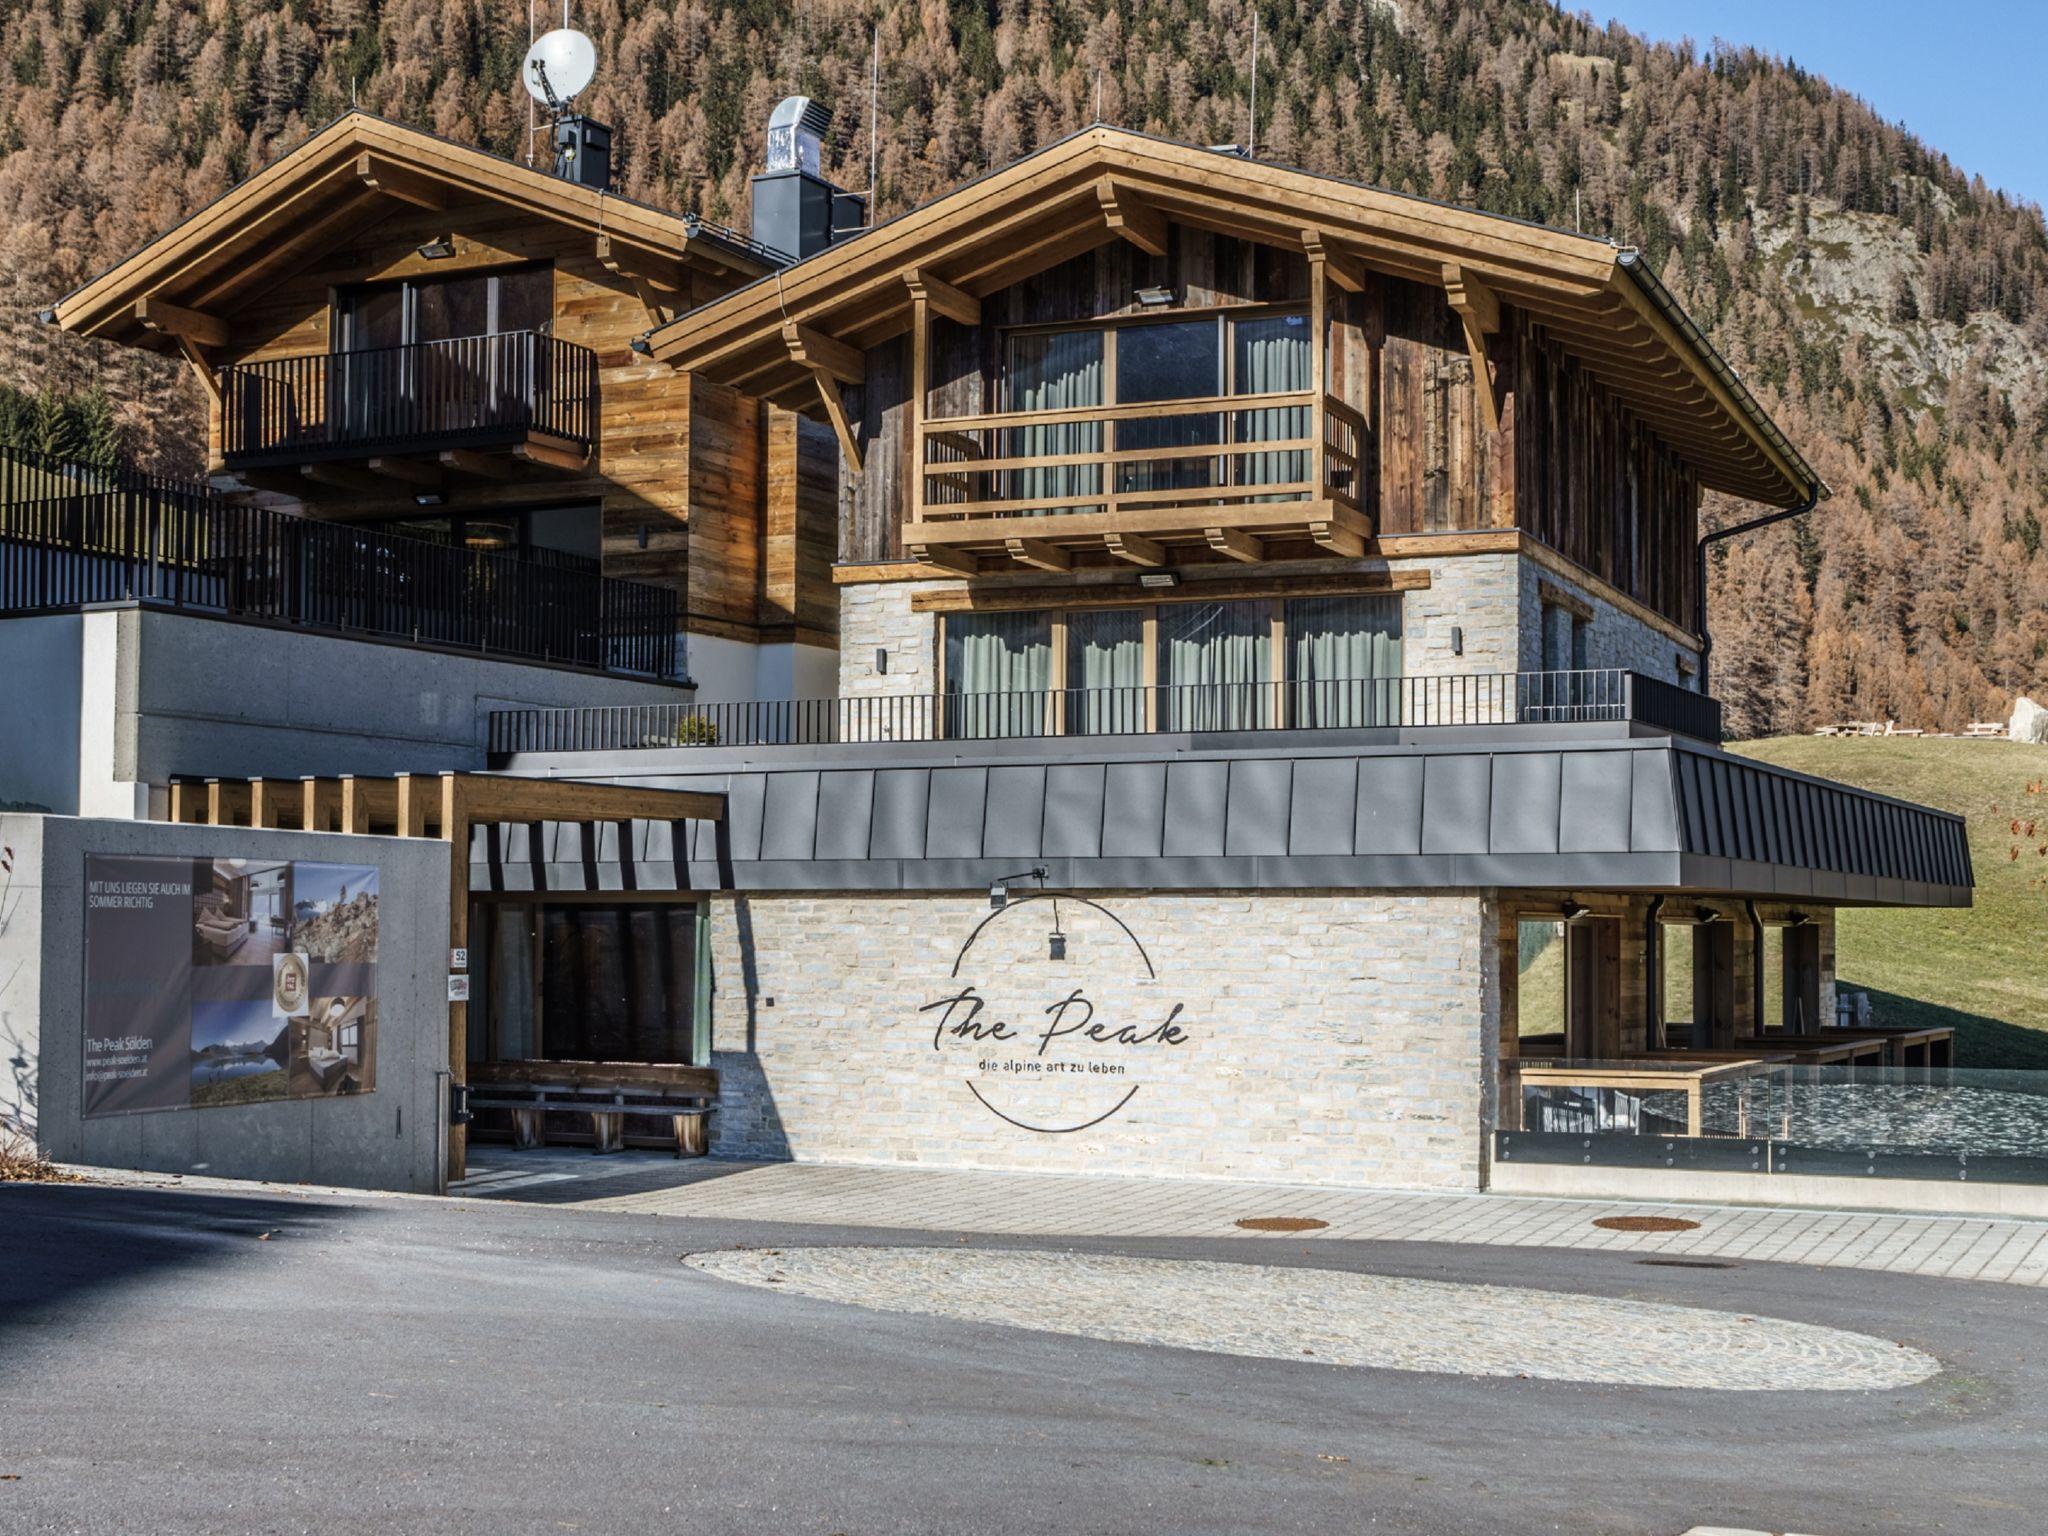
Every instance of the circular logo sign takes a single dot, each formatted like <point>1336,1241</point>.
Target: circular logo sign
<point>1055,1016</point>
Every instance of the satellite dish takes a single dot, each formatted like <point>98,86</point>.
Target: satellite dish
<point>558,65</point>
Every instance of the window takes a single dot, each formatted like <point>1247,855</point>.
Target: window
<point>1190,665</point>
<point>444,308</point>
<point>563,536</point>
<point>1052,371</point>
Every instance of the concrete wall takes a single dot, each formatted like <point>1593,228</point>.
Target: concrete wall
<point>39,712</point>
<point>725,670</point>
<point>174,694</point>
<point>1330,1038</point>
<point>388,1138</point>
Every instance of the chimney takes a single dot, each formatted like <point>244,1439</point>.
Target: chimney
<point>796,211</point>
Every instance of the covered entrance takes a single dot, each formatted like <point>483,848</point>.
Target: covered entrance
<point>579,977</point>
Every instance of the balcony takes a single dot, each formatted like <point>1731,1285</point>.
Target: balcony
<point>74,536</point>
<point>1131,482</point>
<point>522,393</point>
<point>1390,704</point>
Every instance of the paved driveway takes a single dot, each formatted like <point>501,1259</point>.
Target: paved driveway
<point>176,1360</point>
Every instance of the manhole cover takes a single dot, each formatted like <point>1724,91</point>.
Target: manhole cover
<point>1646,1224</point>
<point>1690,1263</point>
<point>1282,1224</point>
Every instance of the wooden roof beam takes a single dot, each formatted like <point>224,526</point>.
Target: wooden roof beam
<point>168,319</point>
<point>1138,222</point>
<point>959,561</point>
<point>661,289</point>
<point>386,176</point>
<point>1478,309</point>
<point>942,297</point>
<point>410,471</point>
<point>1341,267</point>
<point>820,353</point>
<point>344,477</point>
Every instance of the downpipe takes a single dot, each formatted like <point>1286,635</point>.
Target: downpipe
<point>1700,566</point>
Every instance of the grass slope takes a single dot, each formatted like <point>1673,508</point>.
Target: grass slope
<point>1982,969</point>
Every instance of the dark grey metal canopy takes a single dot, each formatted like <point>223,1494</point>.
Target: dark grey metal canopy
<point>1602,811</point>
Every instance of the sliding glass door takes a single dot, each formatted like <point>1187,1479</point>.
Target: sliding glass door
<point>1215,664</point>
<point>998,674</point>
<point>1343,661</point>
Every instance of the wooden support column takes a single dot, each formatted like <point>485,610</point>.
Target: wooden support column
<point>1319,366</point>
<point>455,828</point>
<point>920,391</point>
<point>320,805</point>
<point>268,800</point>
<point>227,802</point>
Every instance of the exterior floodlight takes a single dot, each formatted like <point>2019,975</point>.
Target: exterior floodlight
<point>1159,578</point>
<point>1153,298</point>
<point>438,250</point>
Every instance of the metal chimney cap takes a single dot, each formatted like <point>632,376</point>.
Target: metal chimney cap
<point>796,130</point>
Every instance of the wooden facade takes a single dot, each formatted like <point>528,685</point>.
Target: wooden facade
<point>684,477</point>
<point>1468,376</point>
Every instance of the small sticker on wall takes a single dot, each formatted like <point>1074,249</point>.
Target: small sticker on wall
<point>458,988</point>
<point>458,959</point>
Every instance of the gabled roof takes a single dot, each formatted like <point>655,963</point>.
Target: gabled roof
<point>353,171</point>
<point>1599,302</point>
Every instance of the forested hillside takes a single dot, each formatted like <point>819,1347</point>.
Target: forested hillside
<point>1889,309</point>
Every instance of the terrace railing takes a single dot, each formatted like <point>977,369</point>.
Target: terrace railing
<point>1477,699</point>
<point>73,536</point>
<point>476,390</point>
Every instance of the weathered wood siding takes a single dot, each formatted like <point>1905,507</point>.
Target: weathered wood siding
<point>678,471</point>
<point>1599,487</point>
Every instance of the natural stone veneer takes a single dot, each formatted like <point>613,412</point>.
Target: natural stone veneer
<point>1331,1317</point>
<point>1323,1038</point>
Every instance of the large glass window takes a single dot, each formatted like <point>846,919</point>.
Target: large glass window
<point>1053,371</point>
<point>617,982</point>
<point>1215,662</point>
<point>1271,356</point>
<point>1106,671</point>
<point>1343,660</point>
<point>1172,360</point>
<point>998,674</point>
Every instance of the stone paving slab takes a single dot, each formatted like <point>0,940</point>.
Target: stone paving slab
<point>2006,1251</point>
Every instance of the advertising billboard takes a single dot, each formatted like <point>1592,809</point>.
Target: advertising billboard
<point>211,982</point>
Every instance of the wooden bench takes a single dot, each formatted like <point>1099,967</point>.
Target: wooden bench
<point>1985,729</point>
<point>607,1091</point>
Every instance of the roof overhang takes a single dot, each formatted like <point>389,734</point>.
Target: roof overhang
<point>1104,184</point>
<point>1527,808</point>
<point>321,194</point>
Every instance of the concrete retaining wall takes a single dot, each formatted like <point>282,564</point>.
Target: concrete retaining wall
<point>387,1138</point>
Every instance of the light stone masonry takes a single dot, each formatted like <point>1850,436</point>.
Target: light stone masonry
<point>1313,1038</point>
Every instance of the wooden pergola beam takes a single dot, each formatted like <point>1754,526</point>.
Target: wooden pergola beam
<point>1136,221</point>
<point>320,805</point>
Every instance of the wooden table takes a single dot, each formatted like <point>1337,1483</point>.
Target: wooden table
<point>1687,1072</point>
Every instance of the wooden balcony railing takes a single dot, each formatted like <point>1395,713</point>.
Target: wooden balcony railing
<point>1169,458</point>
<point>476,391</point>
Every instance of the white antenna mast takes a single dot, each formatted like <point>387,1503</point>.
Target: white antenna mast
<point>1251,137</point>
<point>532,126</point>
<point>874,117</point>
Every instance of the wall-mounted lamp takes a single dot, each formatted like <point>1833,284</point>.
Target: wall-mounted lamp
<point>1153,298</point>
<point>1457,639</point>
<point>1159,578</point>
<point>640,536</point>
<point>438,250</point>
<point>881,660</point>
<point>1056,945</point>
<point>642,345</point>
<point>428,499</point>
<point>1704,915</point>
<point>1573,911</point>
<point>999,893</point>
<point>1798,919</point>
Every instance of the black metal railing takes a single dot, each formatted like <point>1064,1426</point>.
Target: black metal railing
<point>433,394</point>
<point>1481,699</point>
<point>72,536</point>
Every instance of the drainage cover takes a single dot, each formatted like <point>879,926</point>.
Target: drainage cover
<point>1282,1224</point>
<point>1646,1224</point>
<point>1691,1263</point>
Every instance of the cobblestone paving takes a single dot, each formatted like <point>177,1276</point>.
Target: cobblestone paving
<point>1332,1317</point>
<point>2011,1251</point>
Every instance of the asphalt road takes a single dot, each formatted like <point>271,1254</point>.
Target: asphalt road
<point>177,1361</point>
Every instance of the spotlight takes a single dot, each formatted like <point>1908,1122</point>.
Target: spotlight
<point>438,250</point>
<point>1159,578</point>
<point>1154,298</point>
<point>1573,911</point>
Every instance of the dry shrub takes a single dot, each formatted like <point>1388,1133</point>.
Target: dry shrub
<point>21,1163</point>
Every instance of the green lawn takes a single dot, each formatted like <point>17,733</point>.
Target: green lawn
<point>1984,968</point>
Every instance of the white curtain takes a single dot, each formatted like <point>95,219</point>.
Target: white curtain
<point>1344,660</point>
<point>1105,671</point>
<point>1271,356</point>
<point>1215,666</point>
<point>998,673</point>
<point>1052,371</point>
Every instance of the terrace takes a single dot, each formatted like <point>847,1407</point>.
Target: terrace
<point>76,536</point>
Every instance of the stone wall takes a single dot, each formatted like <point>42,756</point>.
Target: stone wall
<point>1315,1038</point>
<point>876,616</point>
<point>1615,639</point>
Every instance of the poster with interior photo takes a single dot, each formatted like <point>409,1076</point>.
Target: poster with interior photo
<point>222,981</point>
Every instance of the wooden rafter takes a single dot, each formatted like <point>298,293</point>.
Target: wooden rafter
<point>1344,270</point>
<point>658,283</point>
<point>410,470</point>
<point>170,319</point>
<point>1236,543</point>
<point>831,363</point>
<point>1039,554</point>
<point>958,561</point>
<point>1135,548</point>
